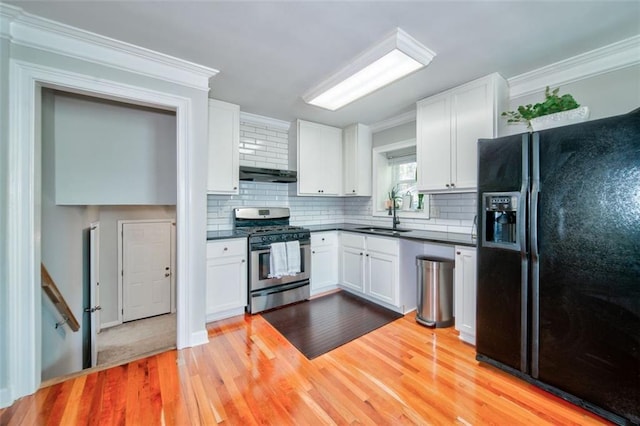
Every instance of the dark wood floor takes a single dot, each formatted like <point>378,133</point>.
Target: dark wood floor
<point>325,323</point>
<point>248,374</point>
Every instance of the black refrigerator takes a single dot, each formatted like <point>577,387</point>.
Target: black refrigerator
<point>558,289</point>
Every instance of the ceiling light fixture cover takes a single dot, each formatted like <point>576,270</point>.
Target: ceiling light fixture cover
<point>394,57</point>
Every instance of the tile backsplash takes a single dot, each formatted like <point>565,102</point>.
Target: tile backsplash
<point>264,146</point>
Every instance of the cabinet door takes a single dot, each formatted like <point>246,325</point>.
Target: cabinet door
<point>433,144</point>
<point>472,120</point>
<point>356,140</point>
<point>226,284</point>
<point>309,158</point>
<point>224,150</point>
<point>465,293</point>
<point>352,261</point>
<point>330,168</point>
<point>382,274</point>
<point>324,268</point>
<point>319,159</point>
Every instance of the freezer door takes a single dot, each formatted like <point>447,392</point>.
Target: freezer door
<point>502,279</point>
<point>587,325</point>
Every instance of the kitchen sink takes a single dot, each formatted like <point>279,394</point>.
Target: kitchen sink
<point>382,230</point>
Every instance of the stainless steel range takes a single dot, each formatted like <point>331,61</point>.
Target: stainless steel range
<point>265,228</point>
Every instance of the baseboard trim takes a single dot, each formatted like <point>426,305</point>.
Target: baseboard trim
<point>199,338</point>
<point>110,324</point>
<point>225,314</point>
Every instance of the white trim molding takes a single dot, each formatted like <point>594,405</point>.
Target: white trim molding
<point>7,15</point>
<point>23,212</point>
<point>398,120</point>
<point>33,31</point>
<point>622,54</point>
<point>272,123</point>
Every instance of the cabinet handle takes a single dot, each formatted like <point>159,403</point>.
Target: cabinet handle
<point>447,185</point>
<point>360,254</point>
<point>458,252</point>
<point>235,187</point>
<point>453,184</point>
<point>367,254</point>
<point>354,191</point>
<point>313,251</point>
<point>323,239</point>
<point>242,260</point>
<point>225,249</point>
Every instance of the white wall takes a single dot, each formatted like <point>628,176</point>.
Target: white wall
<point>4,164</point>
<point>612,93</point>
<point>395,134</point>
<point>110,153</point>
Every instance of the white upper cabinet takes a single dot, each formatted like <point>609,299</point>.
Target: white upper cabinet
<point>357,141</point>
<point>224,148</point>
<point>448,128</point>
<point>319,149</point>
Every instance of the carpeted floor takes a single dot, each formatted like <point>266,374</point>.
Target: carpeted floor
<point>320,325</point>
<point>136,338</point>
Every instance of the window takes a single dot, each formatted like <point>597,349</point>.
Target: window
<point>403,179</point>
<point>394,166</point>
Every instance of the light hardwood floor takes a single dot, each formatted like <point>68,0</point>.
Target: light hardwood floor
<point>248,374</point>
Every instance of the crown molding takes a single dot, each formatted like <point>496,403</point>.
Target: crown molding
<point>272,123</point>
<point>398,120</point>
<point>622,54</point>
<point>36,32</point>
<point>7,15</point>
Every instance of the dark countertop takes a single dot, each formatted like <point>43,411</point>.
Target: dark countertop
<point>221,235</point>
<point>415,235</point>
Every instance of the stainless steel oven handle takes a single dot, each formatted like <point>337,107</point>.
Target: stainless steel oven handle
<point>268,250</point>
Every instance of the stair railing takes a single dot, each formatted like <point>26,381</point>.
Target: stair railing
<point>51,289</point>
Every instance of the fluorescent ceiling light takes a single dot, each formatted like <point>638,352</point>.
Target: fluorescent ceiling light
<point>396,56</point>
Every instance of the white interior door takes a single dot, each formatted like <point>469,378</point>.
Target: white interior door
<point>146,269</point>
<point>94,297</point>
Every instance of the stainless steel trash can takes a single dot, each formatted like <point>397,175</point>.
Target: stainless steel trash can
<point>435,291</point>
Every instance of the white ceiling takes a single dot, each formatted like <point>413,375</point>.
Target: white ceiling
<point>270,53</point>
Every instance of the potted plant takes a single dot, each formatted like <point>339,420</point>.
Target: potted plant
<point>393,198</point>
<point>555,109</point>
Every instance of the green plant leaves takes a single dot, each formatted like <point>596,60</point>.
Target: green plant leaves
<point>551,104</point>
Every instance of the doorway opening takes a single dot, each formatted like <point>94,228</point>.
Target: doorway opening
<point>73,151</point>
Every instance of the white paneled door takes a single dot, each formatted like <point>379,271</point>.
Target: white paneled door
<point>146,269</point>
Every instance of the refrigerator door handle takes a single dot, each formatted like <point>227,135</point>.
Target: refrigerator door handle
<point>535,263</point>
<point>524,267</point>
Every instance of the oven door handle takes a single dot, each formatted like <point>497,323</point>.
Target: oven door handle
<point>279,289</point>
<point>267,250</point>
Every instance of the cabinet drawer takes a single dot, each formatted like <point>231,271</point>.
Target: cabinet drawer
<point>352,240</point>
<point>383,245</point>
<point>222,248</point>
<point>319,239</point>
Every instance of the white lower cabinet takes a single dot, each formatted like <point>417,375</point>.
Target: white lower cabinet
<point>465,293</point>
<point>226,278</point>
<point>324,262</point>
<point>370,267</point>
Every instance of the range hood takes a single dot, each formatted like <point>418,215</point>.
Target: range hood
<point>258,174</point>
